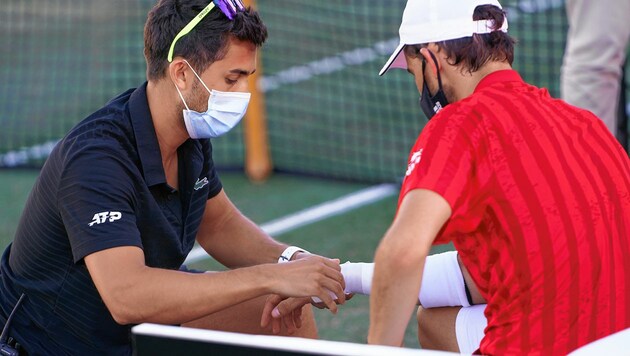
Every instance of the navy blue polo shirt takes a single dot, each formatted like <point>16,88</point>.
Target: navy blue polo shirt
<point>103,186</point>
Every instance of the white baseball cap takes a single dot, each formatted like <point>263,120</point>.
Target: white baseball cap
<point>426,21</point>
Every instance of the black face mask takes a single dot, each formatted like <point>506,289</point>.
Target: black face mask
<point>430,105</point>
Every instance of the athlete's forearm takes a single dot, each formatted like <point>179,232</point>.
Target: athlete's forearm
<point>391,304</point>
<point>135,293</point>
<point>241,243</point>
<point>174,297</point>
<point>232,239</point>
<point>399,262</point>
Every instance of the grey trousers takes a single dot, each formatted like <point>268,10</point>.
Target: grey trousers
<point>598,35</point>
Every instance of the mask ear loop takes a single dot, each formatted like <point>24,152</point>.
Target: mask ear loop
<point>181,97</point>
<point>437,68</point>
<point>424,68</point>
<point>198,77</point>
<point>424,77</point>
<point>202,83</point>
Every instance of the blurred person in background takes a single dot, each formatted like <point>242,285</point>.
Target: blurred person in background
<point>533,192</point>
<point>124,196</point>
<point>595,53</point>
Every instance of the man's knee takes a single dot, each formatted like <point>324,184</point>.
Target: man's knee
<point>454,329</point>
<point>424,327</point>
<point>436,328</point>
<point>309,327</point>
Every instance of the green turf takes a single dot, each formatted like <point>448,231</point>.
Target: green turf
<point>14,189</point>
<point>282,194</point>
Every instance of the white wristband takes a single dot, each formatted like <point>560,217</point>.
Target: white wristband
<point>289,252</point>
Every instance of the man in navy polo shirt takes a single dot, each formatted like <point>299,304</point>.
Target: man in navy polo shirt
<point>123,197</point>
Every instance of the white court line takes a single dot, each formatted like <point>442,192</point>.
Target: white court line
<point>315,213</point>
<point>327,65</point>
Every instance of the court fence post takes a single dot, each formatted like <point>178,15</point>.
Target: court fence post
<point>258,163</point>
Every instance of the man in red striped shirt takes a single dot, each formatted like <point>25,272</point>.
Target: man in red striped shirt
<point>533,192</point>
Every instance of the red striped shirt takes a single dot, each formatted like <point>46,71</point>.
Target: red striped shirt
<point>540,198</point>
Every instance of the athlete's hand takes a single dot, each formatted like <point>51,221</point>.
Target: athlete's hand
<point>282,310</point>
<point>321,305</point>
<point>311,275</point>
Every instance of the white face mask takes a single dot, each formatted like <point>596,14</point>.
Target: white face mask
<point>225,110</point>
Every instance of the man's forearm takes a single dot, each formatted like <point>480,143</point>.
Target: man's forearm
<point>241,243</point>
<point>399,263</point>
<point>136,293</point>
<point>392,304</point>
<point>174,297</point>
<point>233,239</point>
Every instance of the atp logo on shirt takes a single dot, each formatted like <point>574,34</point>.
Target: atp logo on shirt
<point>413,161</point>
<point>106,216</point>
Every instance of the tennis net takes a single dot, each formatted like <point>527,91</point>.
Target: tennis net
<point>328,112</point>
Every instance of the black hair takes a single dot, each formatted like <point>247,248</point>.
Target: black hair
<point>205,44</point>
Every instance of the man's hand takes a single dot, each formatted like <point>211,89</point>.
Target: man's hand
<point>288,311</point>
<point>314,302</point>
<point>301,254</point>
<point>321,305</point>
<point>281,310</point>
<point>311,275</point>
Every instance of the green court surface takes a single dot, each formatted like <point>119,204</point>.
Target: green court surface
<point>351,236</point>
<point>14,188</point>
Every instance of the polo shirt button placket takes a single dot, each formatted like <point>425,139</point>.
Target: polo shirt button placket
<point>170,193</point>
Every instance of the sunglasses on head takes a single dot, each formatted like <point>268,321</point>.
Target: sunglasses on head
<point>228,7</point>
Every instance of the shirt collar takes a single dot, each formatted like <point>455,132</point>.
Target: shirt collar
<point>146,139</point>
<point>500,76</point>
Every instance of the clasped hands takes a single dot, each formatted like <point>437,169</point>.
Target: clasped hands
<point>308,279</point>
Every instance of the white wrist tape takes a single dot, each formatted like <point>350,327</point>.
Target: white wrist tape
<point>443,282</point>
<point>358,278</point>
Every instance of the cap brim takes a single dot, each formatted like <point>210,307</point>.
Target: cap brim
<point>396,60</point>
